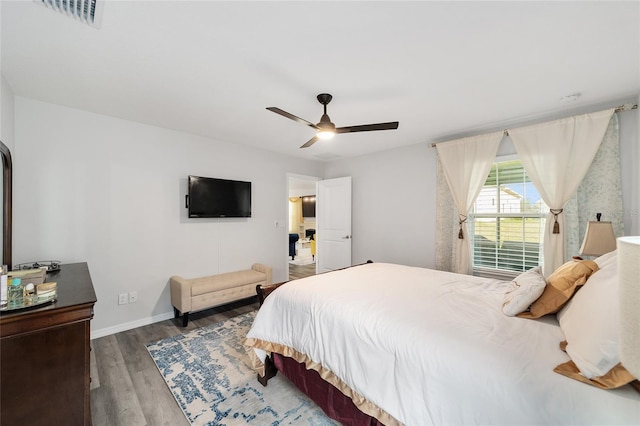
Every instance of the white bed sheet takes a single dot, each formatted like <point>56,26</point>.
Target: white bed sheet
<point>434,348</point>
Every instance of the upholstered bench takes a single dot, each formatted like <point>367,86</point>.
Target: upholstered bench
<point>196,294</point>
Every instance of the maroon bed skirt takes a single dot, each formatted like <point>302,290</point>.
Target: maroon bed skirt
<point>333,402</point>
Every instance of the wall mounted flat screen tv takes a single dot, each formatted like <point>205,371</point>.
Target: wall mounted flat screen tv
<point>309,206</point>
<point>211,197</point>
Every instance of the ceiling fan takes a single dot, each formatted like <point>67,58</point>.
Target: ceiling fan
<point>326,129</point>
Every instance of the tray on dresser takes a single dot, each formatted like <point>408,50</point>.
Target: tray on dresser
<point>37,302</point>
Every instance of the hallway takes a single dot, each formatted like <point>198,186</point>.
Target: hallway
<point>301,271</point>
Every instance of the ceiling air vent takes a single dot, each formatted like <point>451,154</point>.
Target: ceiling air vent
<point>87,11</point>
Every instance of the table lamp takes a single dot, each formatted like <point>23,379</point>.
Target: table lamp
<point>598,238</point>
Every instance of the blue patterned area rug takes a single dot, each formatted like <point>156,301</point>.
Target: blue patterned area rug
<point>207,372</point>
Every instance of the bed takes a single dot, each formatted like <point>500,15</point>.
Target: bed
<point>416,346</point>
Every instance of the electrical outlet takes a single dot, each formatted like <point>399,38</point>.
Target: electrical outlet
<point>133,296</point>
<point>123,299</point>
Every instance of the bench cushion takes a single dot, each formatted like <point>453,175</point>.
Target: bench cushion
<point>213,283</point>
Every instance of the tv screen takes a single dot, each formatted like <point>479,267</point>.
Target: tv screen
<point>211,197</point>
<point>309,206</point>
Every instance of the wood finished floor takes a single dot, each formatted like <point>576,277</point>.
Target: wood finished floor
<point>301,271</point>
<point>126,386</point>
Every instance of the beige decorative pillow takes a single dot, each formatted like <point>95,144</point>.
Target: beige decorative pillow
<point>525,289</point>
<point>561,286</point>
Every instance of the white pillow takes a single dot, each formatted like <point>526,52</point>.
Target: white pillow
<point>525,289</point>
<point>590,323</point>
<point>605,259</point>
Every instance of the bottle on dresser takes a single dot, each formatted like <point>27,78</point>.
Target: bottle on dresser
<point>16,293</point>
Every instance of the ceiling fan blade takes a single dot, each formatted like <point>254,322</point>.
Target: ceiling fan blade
<point>310,142</point>
<point>292,117</point>
<point>368,127</point>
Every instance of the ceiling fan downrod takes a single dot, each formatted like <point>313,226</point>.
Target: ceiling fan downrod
<point>325,123</point>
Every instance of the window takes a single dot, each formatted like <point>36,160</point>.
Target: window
<point>507,221</point>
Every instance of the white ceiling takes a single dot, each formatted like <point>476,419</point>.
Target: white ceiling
<point>442,69</point>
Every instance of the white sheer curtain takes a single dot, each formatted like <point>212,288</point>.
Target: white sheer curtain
<point>466,163</point>
<point>556,156</point>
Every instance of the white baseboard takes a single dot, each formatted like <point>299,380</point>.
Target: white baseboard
<point>96,334</point>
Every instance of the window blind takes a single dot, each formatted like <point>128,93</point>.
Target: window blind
<point>507,221</point>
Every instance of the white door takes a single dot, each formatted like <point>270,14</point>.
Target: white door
<point>333,223</point>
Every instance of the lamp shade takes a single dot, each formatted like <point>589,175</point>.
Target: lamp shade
<point>598,239</point>
<point>629,287</point>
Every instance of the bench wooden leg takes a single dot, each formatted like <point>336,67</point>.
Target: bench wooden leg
<point>185,316</point>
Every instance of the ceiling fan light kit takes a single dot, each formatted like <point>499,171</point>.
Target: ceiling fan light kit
<point>326,134</point>
<point>325,129</point>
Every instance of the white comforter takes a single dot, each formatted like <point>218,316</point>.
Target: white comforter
<point>434,348</point>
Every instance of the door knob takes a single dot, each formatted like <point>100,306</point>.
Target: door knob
<point>346,237</point>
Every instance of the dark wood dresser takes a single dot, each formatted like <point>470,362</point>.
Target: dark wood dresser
<point>44,355</point>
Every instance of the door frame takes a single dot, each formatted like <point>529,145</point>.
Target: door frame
<point>295,176</point>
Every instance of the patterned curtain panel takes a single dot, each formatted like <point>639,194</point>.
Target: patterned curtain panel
<point>599,192</point>
<point>446,223</point>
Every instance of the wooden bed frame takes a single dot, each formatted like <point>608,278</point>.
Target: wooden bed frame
<point>270,368</point>
<point>332,401</point>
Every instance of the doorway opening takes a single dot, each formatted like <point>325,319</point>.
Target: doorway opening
<point>301,201</point>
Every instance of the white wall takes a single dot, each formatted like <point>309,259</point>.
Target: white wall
<point>111,192</point>
<point>6,114</point>
<point>393,208</point>
<point>385,182</point>
<point>629,122</point>
<point>6,125</point>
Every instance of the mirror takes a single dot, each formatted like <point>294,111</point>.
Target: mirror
<point>6,204</point>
